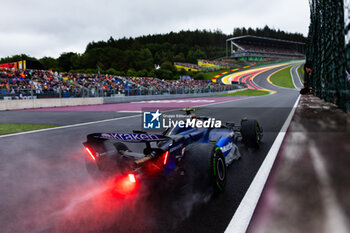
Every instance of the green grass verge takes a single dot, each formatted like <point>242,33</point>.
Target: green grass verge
<point>283,78</point>
<point>16,128</point>
<point>248,92</point>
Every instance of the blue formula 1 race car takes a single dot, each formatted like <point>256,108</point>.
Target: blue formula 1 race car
<point>197,156</point>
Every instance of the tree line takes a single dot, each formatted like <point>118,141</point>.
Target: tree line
<point>138,56</point>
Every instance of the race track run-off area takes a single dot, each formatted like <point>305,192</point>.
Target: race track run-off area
<point>46,188</point>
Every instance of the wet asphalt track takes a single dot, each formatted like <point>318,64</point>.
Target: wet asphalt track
<point>45,187</point>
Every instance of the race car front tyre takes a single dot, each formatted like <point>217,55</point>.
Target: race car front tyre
<point>251,133</point>
<point>205,167</point>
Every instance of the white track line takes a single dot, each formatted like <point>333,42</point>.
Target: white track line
<point>292,76</point>
<point>299,79</point>
<point>224,102</point>
<point>295,69</point>
<point>108,120</point>
<point>66,126</point>
<point>241,219</point>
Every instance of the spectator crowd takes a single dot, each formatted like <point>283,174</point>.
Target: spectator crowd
<point>266,49</point>
<point>46,83</point>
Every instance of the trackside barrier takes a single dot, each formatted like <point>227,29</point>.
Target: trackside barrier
<point>63,102</point>
<point>44,103</point>
<point>124,99</point>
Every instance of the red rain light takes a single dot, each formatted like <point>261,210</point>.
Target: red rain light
<point>166,157</point>
<point>132,178</point>
<point>125,185</point>
<point>90,153</point>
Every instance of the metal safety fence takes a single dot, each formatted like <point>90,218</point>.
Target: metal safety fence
<point>77,92</point>
<point>328,50</point>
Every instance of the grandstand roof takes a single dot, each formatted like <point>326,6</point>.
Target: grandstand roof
<point>265,39</point>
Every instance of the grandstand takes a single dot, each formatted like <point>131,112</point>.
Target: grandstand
<point>254,48</point>
<point>47,84</point>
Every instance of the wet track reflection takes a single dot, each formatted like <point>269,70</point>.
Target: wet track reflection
<point>45,186</point>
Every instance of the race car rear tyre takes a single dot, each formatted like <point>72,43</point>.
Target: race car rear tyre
<point>251,133</point>
<point>205,167</point>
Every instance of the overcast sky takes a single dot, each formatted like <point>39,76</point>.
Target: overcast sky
<point>49,27</point>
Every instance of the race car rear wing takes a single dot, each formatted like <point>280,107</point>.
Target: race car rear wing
<point>129,137</point>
